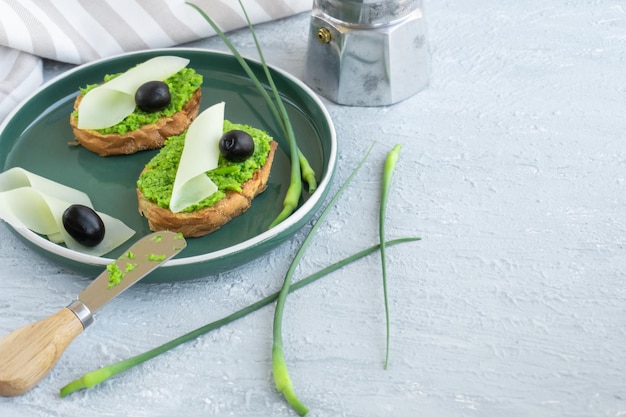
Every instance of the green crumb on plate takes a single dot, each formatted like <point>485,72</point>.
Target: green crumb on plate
<point>130,266</point>
<point>130,255</point>
<point>155,257</point>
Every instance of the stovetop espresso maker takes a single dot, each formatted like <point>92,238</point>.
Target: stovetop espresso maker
<point>367,52</point>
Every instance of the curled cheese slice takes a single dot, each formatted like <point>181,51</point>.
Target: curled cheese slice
<point>200,154</point>
<point>37,203</point>
<point>19,177</point>
<point>109,103</point>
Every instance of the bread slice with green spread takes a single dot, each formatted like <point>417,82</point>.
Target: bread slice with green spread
<point>238,183</point>
<point>139,129</point>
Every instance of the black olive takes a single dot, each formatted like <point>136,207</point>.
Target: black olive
<point>236,145</point>
<point>83,224</point>
<point>153,96</point>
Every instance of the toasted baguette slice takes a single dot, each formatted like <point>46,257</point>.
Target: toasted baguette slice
<point>208,219</point>
<point>151,136</point>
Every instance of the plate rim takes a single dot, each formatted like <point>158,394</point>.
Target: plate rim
<point>278,230</point>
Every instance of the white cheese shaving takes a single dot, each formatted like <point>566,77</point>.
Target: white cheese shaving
<point>109,103</point>
<point>37,203</point>
<point>200,154</point>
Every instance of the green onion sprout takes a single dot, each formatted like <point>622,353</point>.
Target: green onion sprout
<point>300,166</point>
<point>279,367</point>
<point>306,170</point>
<point>390,163</point>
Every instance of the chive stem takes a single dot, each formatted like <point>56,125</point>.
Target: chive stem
<point>390,163</point>
<point>308,174</point>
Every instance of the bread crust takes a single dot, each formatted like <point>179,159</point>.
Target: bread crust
<point>208,219</point>
<point>151,136</point>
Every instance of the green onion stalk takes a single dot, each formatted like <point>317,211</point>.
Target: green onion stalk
<point>390,163</point>
<point>300,167</point>
<point>93,378</point>
<point>279,367</point>
<point>307,171</point>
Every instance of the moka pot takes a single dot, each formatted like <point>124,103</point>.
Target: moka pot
<point>367,52</point>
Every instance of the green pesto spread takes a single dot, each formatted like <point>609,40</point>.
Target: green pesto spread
<point>182,86</point>
<point>157,181</point>
<point>116,275</point>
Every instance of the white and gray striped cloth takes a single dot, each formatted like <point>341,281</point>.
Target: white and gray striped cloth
<point>79,31</point>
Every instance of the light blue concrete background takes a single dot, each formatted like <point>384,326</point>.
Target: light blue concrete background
<point>512,171</point>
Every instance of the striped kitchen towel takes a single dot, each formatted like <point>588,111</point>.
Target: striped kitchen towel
<point>79,31</point>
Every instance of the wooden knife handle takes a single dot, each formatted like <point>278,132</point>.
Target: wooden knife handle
<point>29,353</point>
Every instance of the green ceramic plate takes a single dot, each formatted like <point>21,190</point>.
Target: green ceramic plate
<point>35,137</point>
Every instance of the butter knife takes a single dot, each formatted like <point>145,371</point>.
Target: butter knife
<point>30,352</point>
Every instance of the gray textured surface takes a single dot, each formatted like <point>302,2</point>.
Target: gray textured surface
<point>513,171</point>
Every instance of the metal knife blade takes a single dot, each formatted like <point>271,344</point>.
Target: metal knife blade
<point>137,262</point>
